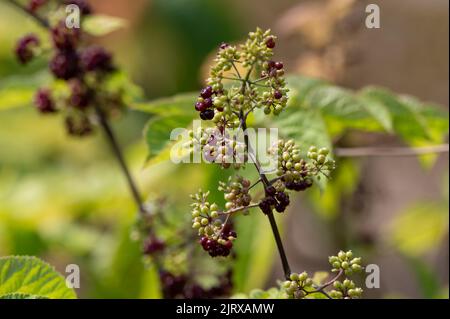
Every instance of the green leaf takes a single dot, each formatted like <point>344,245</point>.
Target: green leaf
<point>178,104</point>
<point>99,25</point>
<point>31,276</point>
<point>158,130</point>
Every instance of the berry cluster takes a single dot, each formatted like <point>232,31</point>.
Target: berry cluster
<point>179,286</point>
<point>345,290</point>
<point>236,192</point>
<point>216,236</point>
<point>294,171</point>
<point>83,70</point>
<point>276,199</point>
<point>262,87</point>
<point>218,147</point>
<point>345,262</point>
<point>298,285</point>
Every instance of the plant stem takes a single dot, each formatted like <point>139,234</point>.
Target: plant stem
<point>39,19</point>
<point>120,158</point>
<point>264,179</point>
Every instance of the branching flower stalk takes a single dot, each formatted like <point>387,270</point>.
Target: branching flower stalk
<point>81,76</point>
<point>260,87</point>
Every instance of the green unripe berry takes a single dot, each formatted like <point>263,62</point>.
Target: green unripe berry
<point>336,264</point>
<point>344,265</point>
<point>303,276</point>
<point>324,151</point>
<point>294,277</point>
<point>204,221</point>
<point>321,159</point>
<point>313,149</point>
<point>342,255</point>
<point>349,254</point>
<point>214,214</point>
<point>196,225</point>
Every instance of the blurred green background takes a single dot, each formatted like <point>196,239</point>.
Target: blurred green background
<point>64,199</point>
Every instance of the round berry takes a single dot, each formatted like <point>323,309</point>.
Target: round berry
<point>279,65</point>
<point>208,102</point>
<point>24,48</point>
<point>207,115</point>
<point>65,38</point>
<point>200,106</point>
<point>278,95</point>
<point>44,101</point>
<point>270,43</point>
<point>80,96</point>
<point>206,92</point>
<point>64,65</point>
<point>96,58</point>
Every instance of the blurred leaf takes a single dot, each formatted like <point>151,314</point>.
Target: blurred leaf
<point>426,278</point>
<point>254,249</point>
<point>419,229</point>
<point>343,182</point>
<point>29,275</point>
<point>16,91</point>
<point>99,25</point>
<point>319,277</point>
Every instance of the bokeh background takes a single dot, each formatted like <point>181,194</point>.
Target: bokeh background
<point>64,199</point>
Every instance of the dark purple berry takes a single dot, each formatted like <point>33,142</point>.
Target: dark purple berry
<point>270,43</point>
<point>200,106</point>
<point>206,92</point>
<point>207,115</point>
<point>44,101</point>
<point>84,6</point>
<point>80,96</point>
<point>96,58</point>
<point>279,65</point>
<point>154,245</point>
<point>64,65</point>
<point>208,102</point>
<point>271,191</point>
<point>280,207</point>
<point>278,95</point>
<point>64,38</point>
<point>271,64</point>
<point>24,48</point>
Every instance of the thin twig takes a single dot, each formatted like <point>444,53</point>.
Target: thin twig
<point>120,158</point>
<point>39,19</point>
<point>390,151</point>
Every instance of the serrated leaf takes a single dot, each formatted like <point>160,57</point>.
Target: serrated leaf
<point>99,25</point>
<point>32,276</point>
<point>158,130</point>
